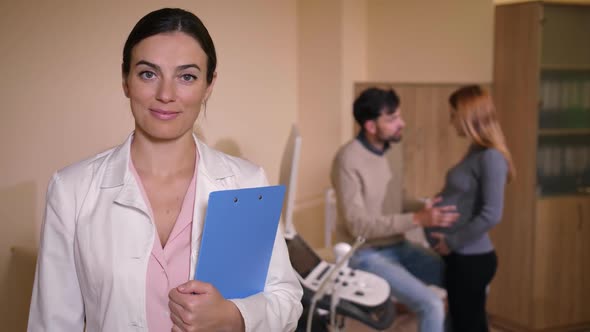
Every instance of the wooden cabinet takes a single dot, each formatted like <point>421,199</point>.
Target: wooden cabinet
<point>542,93</point>
<point>585,258</point>
<point>559,295</point>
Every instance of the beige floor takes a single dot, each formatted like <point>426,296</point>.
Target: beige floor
<point>405,323</point>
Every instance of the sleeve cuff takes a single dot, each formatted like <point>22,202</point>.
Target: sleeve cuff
<point>258,302</point>
<point>407,222</point>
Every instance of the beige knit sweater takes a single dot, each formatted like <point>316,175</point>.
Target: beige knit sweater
<point>369,192</point>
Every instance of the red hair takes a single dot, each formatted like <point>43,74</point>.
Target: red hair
<point>477,115</point>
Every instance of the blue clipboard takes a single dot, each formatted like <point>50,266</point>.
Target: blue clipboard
<point>238,238</point>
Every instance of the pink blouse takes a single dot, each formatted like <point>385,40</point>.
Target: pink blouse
<point>168,267</point>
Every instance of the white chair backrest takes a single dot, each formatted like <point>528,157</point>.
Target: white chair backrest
<point>330,216</point>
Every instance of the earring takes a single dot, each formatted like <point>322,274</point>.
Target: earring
<point>204,106</point>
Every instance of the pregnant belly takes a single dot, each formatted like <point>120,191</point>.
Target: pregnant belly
<point>464,207</point>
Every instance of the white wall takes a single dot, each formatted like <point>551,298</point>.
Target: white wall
<point>430,41</point>
<point>61,83</point>
<point>501,2</point>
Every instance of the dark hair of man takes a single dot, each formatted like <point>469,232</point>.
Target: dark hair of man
<point>373,102</point>
<point>168,20</point>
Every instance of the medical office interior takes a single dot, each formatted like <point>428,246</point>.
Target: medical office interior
<point>303,62</point>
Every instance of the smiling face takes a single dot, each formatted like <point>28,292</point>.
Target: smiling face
<point>167,85</point>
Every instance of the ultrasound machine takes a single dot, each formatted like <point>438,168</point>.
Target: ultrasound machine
<point>332,291</point>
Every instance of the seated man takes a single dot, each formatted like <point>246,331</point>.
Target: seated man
<point>369,196</point>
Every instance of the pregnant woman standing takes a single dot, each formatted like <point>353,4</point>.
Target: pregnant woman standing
<point>476,187</point>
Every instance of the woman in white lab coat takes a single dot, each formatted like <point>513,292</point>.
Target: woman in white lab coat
<point>121,231</point>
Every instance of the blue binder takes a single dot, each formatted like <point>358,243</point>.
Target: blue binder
<point>238,238</point>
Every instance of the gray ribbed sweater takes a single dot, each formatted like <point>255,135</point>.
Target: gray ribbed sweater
<point>476,186</point>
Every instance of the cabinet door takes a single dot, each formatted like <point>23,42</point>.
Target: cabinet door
<point>584,224</point>
<point>558,277</point>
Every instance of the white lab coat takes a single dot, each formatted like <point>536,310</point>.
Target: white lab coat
<point>97,237</point>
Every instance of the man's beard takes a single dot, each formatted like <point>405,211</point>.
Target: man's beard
<point>395,139</point>
<point>392,138</point>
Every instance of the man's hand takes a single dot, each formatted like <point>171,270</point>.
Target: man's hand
<point>198,306</point>
<point>436,216</point>
<point>441,247</point>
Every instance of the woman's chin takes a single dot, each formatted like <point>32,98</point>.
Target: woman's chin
<point>164,134</point>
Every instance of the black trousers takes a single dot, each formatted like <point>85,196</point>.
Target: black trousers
<point>467,277</point>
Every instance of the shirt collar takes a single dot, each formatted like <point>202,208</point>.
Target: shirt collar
<point>363,140</point>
